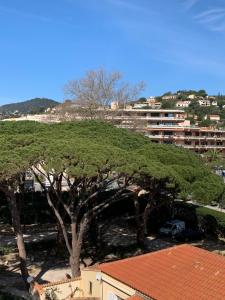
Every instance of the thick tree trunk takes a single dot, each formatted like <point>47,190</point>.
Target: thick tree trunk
<point>22,256</point>
<point>19,235</point>
<point>77,242</point>
<point>139,224</point>
<point>75,262</point>
<point>60,237</point>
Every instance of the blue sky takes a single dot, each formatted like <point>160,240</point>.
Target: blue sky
<point>170,44</point>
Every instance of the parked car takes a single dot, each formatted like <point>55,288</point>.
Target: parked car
<point>172,228</point>
<point>189,235</point>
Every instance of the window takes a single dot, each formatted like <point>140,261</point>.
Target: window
<point>169,115</point>
<point>90,287</point>
<point>188,133</point>
<point>154,114</point>
<point>168,133</point>
<point>112,296</point>
<point>204,134</point>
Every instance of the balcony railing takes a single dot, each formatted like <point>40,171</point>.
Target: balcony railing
<point>183,137</point>
<point>202,146</point>
<point>147,118</point>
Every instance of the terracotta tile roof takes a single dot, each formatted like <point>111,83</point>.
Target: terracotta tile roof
<point>181,272</point>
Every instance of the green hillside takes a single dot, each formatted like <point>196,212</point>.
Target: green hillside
<point>35,105</point>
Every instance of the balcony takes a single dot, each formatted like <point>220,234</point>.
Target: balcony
<point>147,118</point>
<point>202,146</point>
<point>186,138</point>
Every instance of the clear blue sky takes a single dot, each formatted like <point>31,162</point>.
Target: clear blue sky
<point>170,44</point>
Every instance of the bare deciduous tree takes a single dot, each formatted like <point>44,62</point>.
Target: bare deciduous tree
<point>98,88</point>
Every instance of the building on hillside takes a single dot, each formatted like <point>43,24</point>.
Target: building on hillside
<point>114,105</point>
<point>153,103</point>
<point>215,118</point>
<point>183,104</point>
<point>204,102</point>
<point>198,139</point>
<point>214,103</point>
<point>169,97</point>
<point>191,97</point>
<point>156,105</point>
<point>151,99</point>
<point>143,118</point>
<point>166,126</point>
<point>180,272</point>
<point>140,105</point>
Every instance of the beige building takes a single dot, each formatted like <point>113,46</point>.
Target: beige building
<point>198,139</point>
<point>166,126</point>
<point>191,97</point>
<point>183,104</point>
<point>169,97</point>
<point>204,102</point>
<point>215,118</point>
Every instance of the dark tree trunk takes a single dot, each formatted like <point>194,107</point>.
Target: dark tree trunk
<point>60,241</point>
<point>77,242</point>
<point>147,212</point>
<point>19,235</point>
<point>139,223</point>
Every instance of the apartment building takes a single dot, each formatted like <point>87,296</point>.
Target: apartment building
<point>194,138</point>
<point>170,127</point>
<point>144,118</point>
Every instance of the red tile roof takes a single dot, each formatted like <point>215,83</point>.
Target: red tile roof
<point>181,272</point>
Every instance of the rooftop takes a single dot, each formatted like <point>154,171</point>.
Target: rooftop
<point>181,272</point>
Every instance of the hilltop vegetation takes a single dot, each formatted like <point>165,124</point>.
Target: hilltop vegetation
<point>32,106</point>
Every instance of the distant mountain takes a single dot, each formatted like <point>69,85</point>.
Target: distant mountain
<point>33,106</point>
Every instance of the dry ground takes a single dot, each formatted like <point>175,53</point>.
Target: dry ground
<point>47,268</point>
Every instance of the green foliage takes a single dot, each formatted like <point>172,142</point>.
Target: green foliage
<point>204,211</point>
<point>168,104</point>
<point>141,100</point>
<point>4,250</point>
<point>211,189</point>
<point>85,149</point>
<point>167,94</point>
<point>200,93</point>
<point>205,123</point>
<point>195,109</point>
